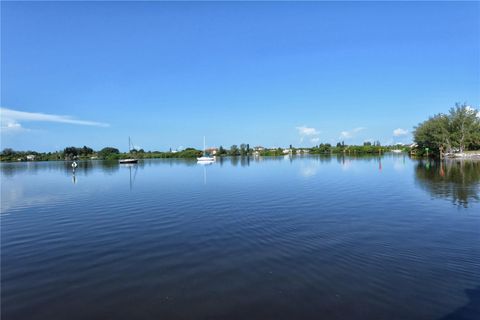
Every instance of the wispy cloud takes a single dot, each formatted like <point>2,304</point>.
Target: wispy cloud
<point>11,120</point>
<point>310,132</point>
<point>351,133</point>
<point>400,132</point>
<point>307,131</point>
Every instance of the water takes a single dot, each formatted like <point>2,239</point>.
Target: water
<point>272,238</point>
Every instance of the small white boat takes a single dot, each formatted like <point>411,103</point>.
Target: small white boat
<point>128,160</point>
<point>396,151</point>
<point>205,159</point>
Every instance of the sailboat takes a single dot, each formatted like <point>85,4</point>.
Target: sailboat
<point>129,160</point>
<point>205,159</point>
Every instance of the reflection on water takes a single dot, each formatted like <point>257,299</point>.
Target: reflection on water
<point>306,236</point>
<point>131,167</point>
<point>84,167</point>
<point>457,180</point>
<point>469,311</point>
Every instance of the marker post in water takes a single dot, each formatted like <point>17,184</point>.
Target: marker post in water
<point>74,165</point>
<point>74,178</point>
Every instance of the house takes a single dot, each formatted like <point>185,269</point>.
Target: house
<point>286,151</point>
<point>30,157</point>
<point>259,148</point>
<point>212,151</point>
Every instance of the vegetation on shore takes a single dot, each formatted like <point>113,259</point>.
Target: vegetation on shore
<point>110,153</point>
<point>455,132</point>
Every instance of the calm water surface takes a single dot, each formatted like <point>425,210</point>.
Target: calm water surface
<point>272,238</point>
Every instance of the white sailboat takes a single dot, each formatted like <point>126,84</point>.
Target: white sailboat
<point>130,160</point>
<point>205,159</point>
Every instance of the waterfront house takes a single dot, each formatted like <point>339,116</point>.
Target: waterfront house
<point>212,151</point>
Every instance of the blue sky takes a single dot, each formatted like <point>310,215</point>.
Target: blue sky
<point>264,73</point>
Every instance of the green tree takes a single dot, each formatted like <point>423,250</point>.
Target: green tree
<point>434,134</point>
<point>221,151</point>
<point>108,153</point>
<point>8,152</point>
<point>234,150</point>
<point>85,151</point>
<point>464,126</point>
<point>459,130</point>
<point>243,149</point>
<point>70,152</point>
<point>189,153</point>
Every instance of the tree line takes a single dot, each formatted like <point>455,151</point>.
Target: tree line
<point>244,149</point>
<point>455,132</point>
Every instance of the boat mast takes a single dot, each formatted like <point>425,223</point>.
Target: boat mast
<point>204,148</point>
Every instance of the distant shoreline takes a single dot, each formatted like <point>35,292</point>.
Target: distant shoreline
<point>358,155</point>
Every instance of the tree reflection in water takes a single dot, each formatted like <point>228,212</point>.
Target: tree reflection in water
<point>458,180</point>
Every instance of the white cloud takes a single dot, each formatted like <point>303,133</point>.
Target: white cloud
<point>400,132</point>
<point>305,131</point>
<point>11,126</point>
<point>351,133</point>
<point>11,119</point>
